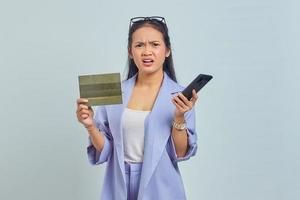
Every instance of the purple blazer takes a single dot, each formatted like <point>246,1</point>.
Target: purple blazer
<point>160,176</point>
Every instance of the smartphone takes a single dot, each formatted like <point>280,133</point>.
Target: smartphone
<point>198,83</point>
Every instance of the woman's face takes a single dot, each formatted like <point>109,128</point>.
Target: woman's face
<point>148,50</point>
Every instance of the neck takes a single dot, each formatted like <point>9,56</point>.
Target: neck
<point>149,80</point>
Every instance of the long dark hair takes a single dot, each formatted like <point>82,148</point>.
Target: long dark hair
<point>168,65</point>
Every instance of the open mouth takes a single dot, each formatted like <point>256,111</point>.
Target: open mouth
<point>148,61</point>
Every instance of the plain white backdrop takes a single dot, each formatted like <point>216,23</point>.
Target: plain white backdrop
<point>247,116</point>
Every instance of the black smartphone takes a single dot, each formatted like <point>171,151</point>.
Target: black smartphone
<point>198,83</point>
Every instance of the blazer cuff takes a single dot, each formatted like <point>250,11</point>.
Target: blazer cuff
<point>98,157</point>
<point>192,147</point>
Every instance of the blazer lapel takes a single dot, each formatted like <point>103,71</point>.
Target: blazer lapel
<point>115,117</point>
<point>157,129</point>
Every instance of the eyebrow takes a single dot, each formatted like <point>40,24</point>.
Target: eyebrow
<point>149,42</point>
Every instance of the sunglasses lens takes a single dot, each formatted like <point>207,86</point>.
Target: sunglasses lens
<point>137,19</point>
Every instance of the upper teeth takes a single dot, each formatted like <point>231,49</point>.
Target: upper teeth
<point>147,60</point>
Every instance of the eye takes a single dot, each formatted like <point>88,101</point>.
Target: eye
<point>139,45</point>
<point>156,44</point>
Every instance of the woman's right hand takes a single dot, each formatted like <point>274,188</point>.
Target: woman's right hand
<point>85,113</point>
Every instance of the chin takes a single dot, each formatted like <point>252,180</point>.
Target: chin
<point>150,72</point>
<point>149,69</point>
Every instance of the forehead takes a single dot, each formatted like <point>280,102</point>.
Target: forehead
<point>147,33</point>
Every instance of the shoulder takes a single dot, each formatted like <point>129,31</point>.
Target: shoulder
<point>174,86</point>
<point>128,83</point>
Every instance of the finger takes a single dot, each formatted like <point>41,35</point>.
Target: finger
<point>84,111</point>
<point>82,106</point>
<point>82,100</point>
<point>180,102</point>
<point>182,97</point>
<point>84,116</point>
<point>178,106</point>
<point>185,100</point>
<point>195,97</point>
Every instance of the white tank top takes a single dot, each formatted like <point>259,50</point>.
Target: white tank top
<point>133,134</point>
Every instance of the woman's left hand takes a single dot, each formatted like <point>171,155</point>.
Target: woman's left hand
<point>183,104</point>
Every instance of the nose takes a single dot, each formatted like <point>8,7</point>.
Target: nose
<point>147,51</point>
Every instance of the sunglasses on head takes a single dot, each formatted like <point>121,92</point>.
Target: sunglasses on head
<point>152,18</point>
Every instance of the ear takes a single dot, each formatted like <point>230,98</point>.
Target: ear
<point>130,53</point>
<point>168,53</point>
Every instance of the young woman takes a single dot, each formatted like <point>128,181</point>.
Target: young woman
<point>143,139</point>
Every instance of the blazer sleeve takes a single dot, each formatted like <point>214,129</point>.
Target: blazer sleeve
<point>98,157</point>
<point>192,139</point>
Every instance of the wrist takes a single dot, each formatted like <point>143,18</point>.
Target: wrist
<point>179,126</point>
<point>179,122</point>
<point>179,118</point>
<point>90,127</point>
